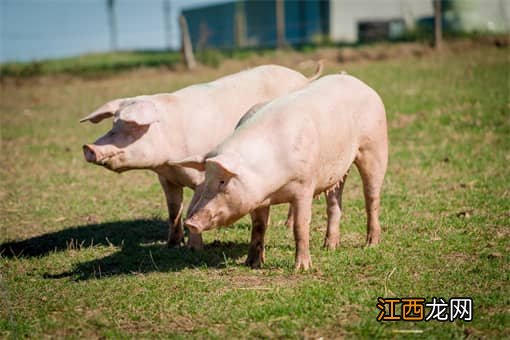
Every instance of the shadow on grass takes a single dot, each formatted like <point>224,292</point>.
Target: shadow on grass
<point>83,236</point>
<point>142,249</point>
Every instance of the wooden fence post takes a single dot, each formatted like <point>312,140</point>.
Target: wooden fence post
<point>187,49</point>
<point>438,23</point>
<point>280,23</point>
<point>240,26</point>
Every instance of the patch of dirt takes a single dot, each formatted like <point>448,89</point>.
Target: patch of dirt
<point>348,315</point>
<point>352,239</point>
<point>256,281</point>
<point>501,232</point>
<point>460,257</point>
<point>168,321</point>
<point>333,333</point>
<point>179,322</point>
<point>494,255</point>
<point>465,213</point>
<point>402,120</point>
<point>500,41</point>
<point>383,52</point>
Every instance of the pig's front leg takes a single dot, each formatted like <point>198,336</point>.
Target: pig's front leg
<point>173,194</point>
<point>259,218</point>
<point>195,241</point>
<point>302,209</point>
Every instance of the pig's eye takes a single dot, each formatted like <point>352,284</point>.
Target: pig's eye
<point>221,186</point>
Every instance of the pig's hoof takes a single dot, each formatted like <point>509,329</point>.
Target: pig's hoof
<point>195,246</point>
<point>175,242</point>
<point>255,259</point>
<point>303,263</point>
<point>331,243</point>
<point>372,240</point>
<point>171,244</point>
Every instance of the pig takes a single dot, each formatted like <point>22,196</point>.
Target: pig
<point>150,131</point>
<point>289,150</point>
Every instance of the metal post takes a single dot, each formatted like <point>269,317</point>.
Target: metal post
<point>167,11</point>
<point>110,4</point>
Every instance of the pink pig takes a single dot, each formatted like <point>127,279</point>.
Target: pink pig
<point>149,132</point>
<point>289,150</point>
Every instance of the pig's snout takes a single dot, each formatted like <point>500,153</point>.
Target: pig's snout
<point>90,153</point>
<point>194,225</point>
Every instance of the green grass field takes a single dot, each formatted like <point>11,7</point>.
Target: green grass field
<point>83,249</point>
<point>108,63</point>
<point>92,64</point>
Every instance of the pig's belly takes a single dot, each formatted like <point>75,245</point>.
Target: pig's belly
<point>181,176</point>
<point>331,171</point>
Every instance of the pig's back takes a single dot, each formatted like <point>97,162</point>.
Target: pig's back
<point>338,105</point>
<point>234,94</point>
<point>342,111</point>
<point>253,86</point>
<point>211,111</point>
<point>312,132</point>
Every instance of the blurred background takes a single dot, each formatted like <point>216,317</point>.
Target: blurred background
<point>41,29</point>
<point>34,30</point>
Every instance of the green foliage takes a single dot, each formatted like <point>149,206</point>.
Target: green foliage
<point>214,58</point>
<point>210,57</point>
<point>92,64</point>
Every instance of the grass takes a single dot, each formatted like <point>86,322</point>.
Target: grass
<point>92,64</point>
<point>89,255</point>
<point>95,65</point>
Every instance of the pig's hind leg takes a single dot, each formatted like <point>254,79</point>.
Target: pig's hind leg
<point>290,218</point>
<point>334,212</point>
<point>173,194</point>
<point>259,219</point>
<point>371,161</point>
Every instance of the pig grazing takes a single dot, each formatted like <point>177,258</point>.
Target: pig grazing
<point>150,131</point>
<point>289,150</point>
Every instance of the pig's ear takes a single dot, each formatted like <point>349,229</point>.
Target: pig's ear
<point>141,112</point>
<point>105,111</point>
<point>227,164</point>
<point>195,162</point>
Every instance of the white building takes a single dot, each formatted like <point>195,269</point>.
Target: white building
<point>462,15</point>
